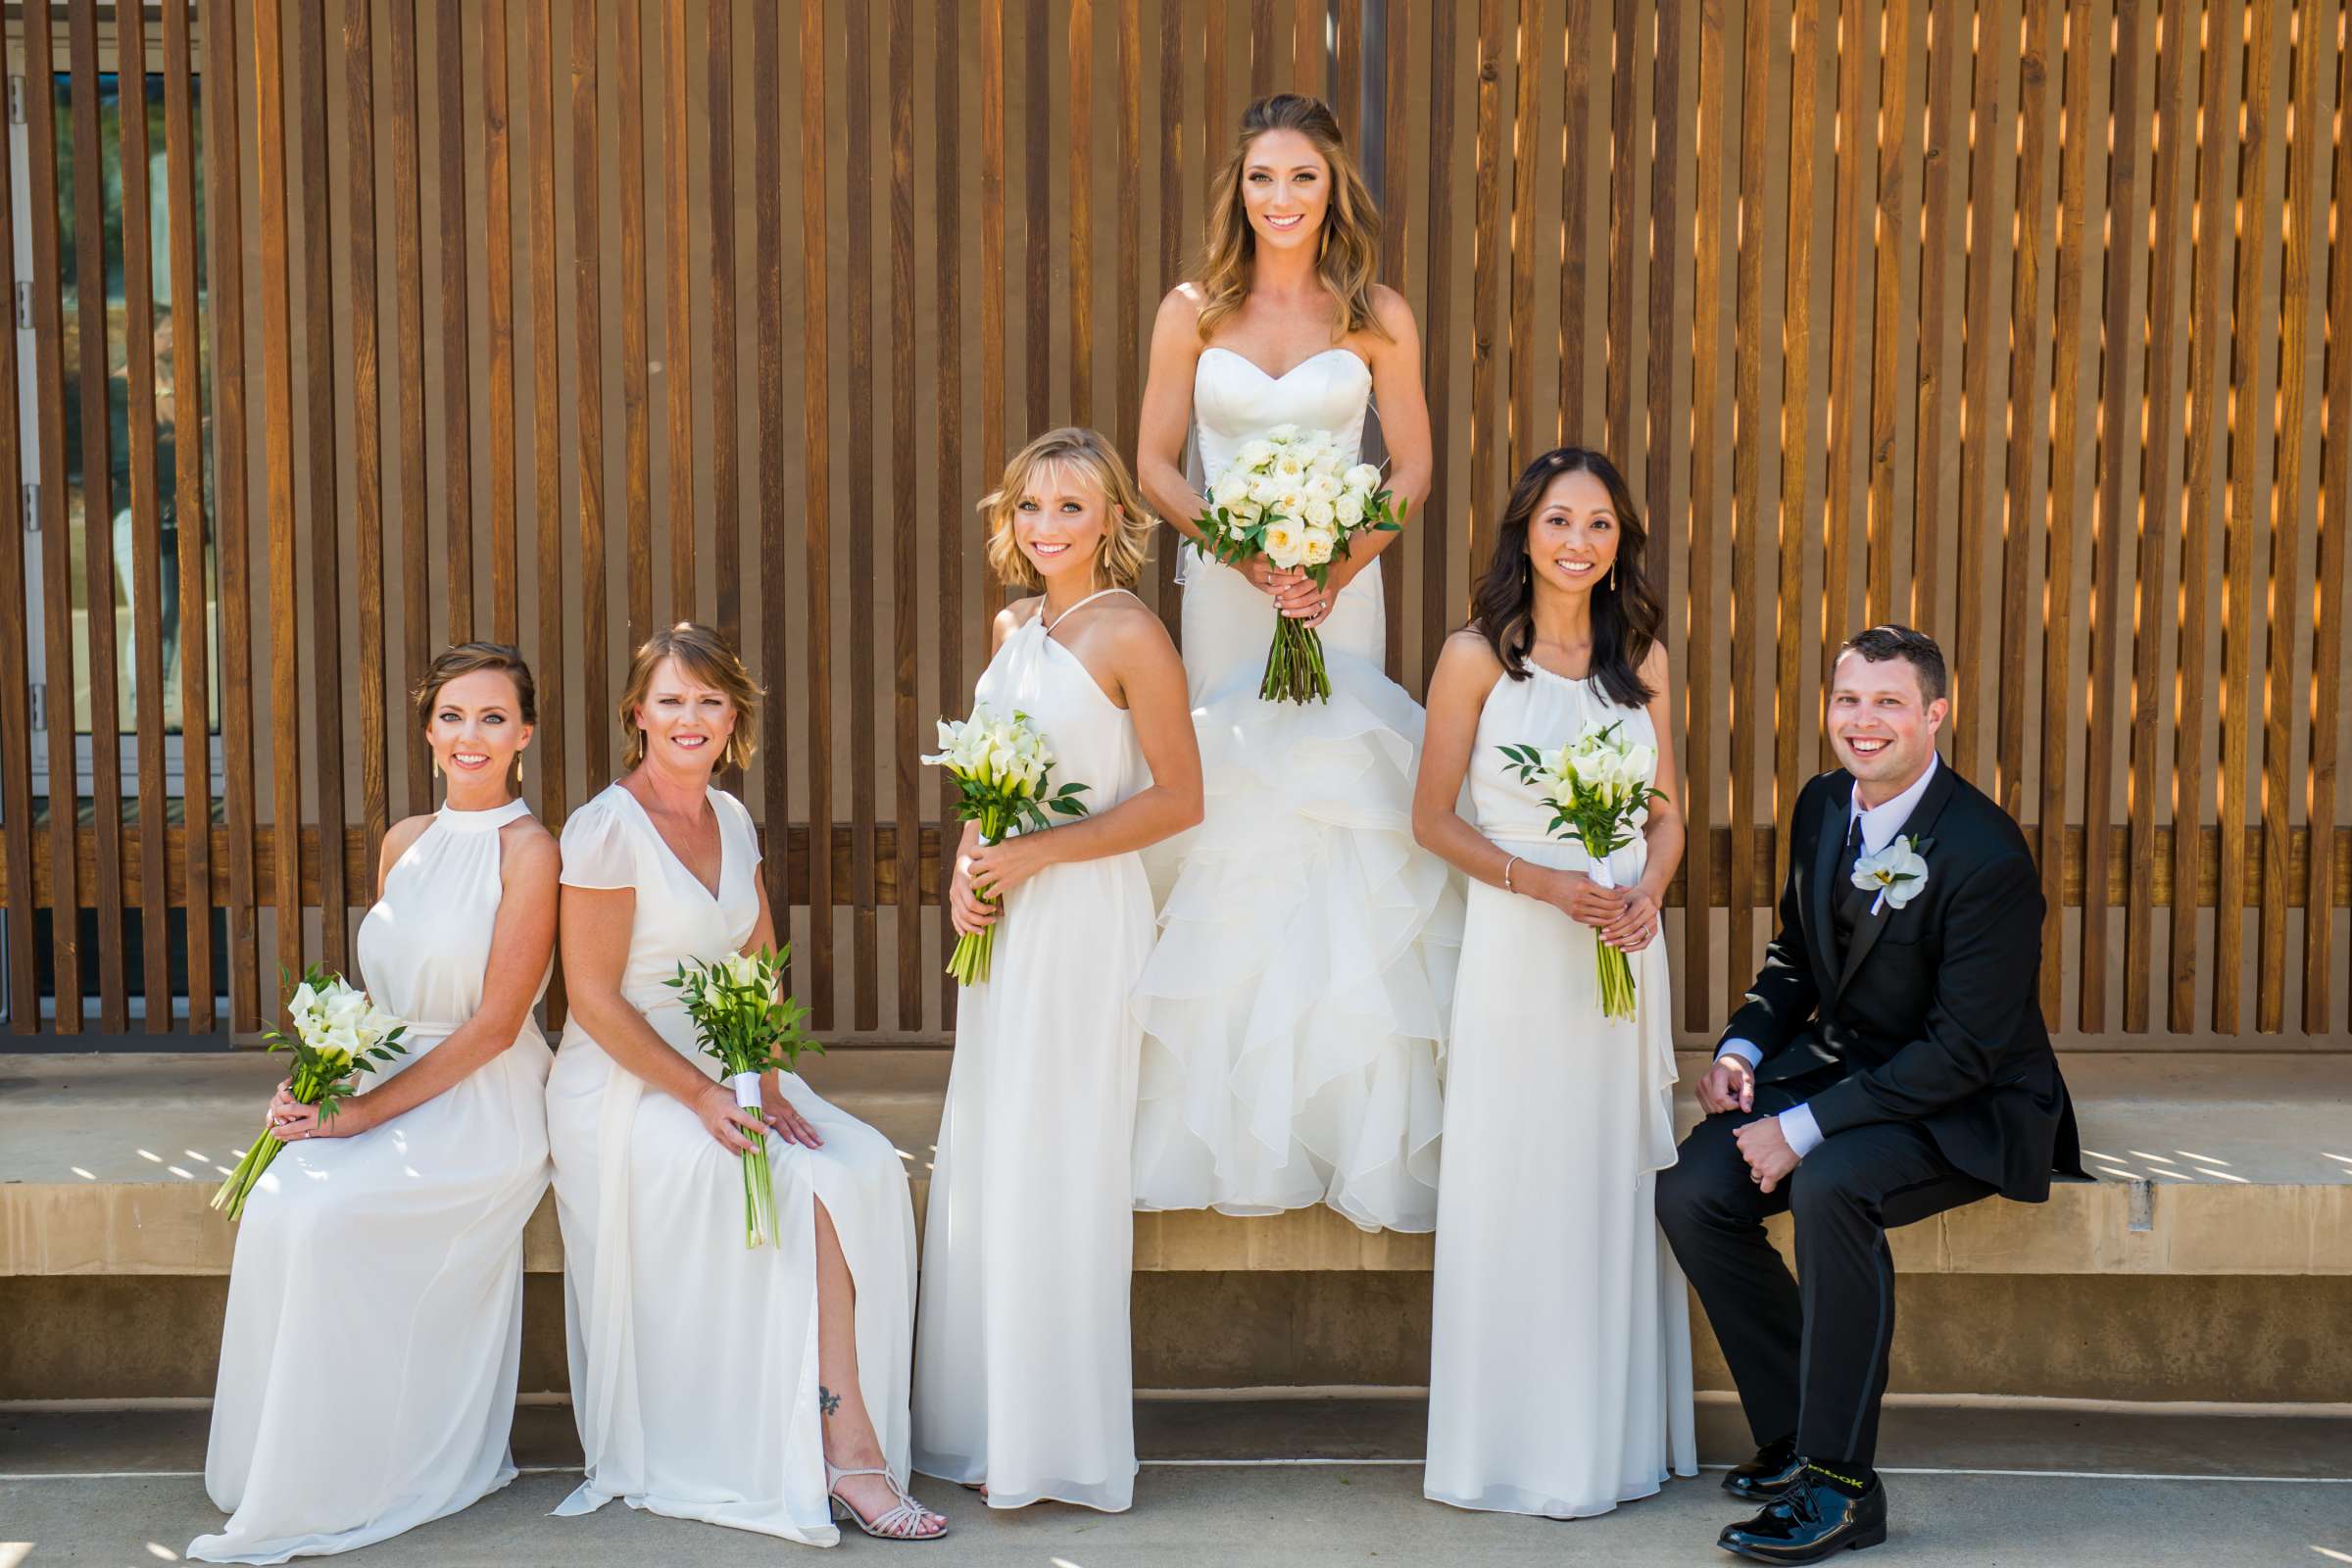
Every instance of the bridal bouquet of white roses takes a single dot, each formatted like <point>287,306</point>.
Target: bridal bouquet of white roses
<point>1002,769</point>
<point>337,1033</point>
<point>1597,787</point>
<point>1288,497</point>
<point>742,1016</point>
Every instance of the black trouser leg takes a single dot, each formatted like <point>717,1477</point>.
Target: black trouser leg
<point>1713,1217</point>
<point>1846,1196</point>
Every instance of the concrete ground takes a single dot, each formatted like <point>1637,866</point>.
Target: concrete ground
<point>2032,1488</point>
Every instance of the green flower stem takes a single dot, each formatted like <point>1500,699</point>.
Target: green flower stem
<point>968,963</point>
<point>1296,672</point>
<point>241,1182</point>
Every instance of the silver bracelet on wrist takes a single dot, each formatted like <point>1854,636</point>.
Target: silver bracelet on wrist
<point>1506,874</point>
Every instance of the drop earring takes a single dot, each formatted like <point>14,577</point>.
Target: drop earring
<point>1612,576</point>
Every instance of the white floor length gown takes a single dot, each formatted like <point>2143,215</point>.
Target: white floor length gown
<point>694,1371</point>
<point>1022,1373</point>
<point>1295,1004</point>
<point>400,1247</point>
<point>1560,1343</point>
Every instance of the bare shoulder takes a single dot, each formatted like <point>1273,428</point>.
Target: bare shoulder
<point>1012,618</point>
<point>1395,315</point>
<point>1181,307</point>
<point>1655,667</point>
<point>526,848</point>
<point>1135,626</point>
<point>404,833</point>
<point>1466,665</point>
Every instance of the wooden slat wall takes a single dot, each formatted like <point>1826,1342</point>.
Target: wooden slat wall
<point>2022,320</point>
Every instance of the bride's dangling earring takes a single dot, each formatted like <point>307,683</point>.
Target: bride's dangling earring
<point>1612,576</point>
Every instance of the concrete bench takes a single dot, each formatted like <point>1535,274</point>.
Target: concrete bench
<point>2207,1166</point>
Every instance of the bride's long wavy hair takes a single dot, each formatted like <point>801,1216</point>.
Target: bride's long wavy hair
<point>1347,255</point>
<point>1628,619</point>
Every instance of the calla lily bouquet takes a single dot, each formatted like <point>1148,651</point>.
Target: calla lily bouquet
<point>742,1016</point>
<point>338,1032</point>
<point>1002,769</point>
<point>1598,788</point>
<point>1288,497</point>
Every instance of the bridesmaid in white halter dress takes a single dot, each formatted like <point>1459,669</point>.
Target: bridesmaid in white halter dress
<point>1559,1376</point>
<point>760,1387</point>
<point>1294,1007</point>
<point>396,1222</point>
<point>1022,1372</point>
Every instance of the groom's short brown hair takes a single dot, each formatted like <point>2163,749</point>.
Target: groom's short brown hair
<point>1914,647</point>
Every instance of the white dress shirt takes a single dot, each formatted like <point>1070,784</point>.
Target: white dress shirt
<point>1879,824</point>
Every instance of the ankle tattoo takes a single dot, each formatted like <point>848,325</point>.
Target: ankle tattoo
<point>827,1401</point>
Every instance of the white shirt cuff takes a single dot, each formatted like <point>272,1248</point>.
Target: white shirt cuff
<point>1802,1130</point>
<point>1741,1049</point>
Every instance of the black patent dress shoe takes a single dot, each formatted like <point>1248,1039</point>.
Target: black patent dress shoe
<point>1771,1472</point>
<point>1813,1520</point>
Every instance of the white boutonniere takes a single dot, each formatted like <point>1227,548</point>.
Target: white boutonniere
<point>1898,872</point>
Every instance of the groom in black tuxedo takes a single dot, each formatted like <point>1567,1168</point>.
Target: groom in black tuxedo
<point>1890,1063</point>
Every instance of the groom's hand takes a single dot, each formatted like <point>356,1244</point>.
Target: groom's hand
<point>1766,1150</point>
<point>1729,1085</point>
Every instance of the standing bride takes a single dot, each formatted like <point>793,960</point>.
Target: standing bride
<point>1294,1004</point>
<point>1559,1378</point>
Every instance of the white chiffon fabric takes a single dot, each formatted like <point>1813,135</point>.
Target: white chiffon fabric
<point>1294,1007</point>
<point>694,1358</point>
<point>1561,1340</point>
<point>396,1254</point>
<point>1024,1376</point>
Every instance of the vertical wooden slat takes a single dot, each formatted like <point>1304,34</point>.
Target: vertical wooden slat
<point>1037,89</point>
<point>767,180</point>
<point>1128,339</point>
<point>1698,648</point>
<point>1848,429</point>
<point>865,841</point>
<point>498,222</point>
<point>1436,334</point>
<point>2209,346</point>
<point>367,411</point>
<point>223,213</point>
<point>16,657</point>
<point>187,429</point>
<point>2327,596</point>
<point>1261,50</point>
<point>146,511</point>
<point>1527,88</point>
<point>2159,492</point>
<point>1750,724</point>
<point>1893,230</point>
<point>1945,152</point>
<point>993,364</point>
<point>1488,266</point>
<point>1617,387</point>
<point>1351,72</point>
<point>2075,235</point>
<point>57,587</point>
<point>726,483</point>
<point>2305,228</point>
<point>1664,303</point>
<point>1080,134</point>
<point>636,392</point>
<point>1797,412</point>
<point>905,541</point>
<point>1396,250</point>
<point>408,265</point>
<point>678,343</point>
<point>97,517</point>
<point>547,444</point>
<point>1576,342</point>
<point>2125,228</point>
<point>1219,117</point>
<point>816,524</point>
<point>1307,49</point>
<point>456,359</point>
<point>2026,395</point>
<point>947,419</point>
<point>325,660</point>
<point>588,392</point>
<point>2241,545</point>
<point>277,429</point>
<point>1983,336</point>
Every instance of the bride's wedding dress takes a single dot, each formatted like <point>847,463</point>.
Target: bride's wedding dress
<point>1295,1005</point>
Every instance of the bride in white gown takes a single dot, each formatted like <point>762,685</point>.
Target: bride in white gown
<point>1295,1005</point>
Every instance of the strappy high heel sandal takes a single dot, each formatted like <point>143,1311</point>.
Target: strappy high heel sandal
<point>901,1523</point>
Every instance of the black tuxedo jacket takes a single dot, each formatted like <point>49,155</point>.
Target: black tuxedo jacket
<point>1930,1013</point>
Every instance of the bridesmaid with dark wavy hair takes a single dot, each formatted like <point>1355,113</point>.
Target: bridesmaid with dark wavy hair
<point>1560,1354</point>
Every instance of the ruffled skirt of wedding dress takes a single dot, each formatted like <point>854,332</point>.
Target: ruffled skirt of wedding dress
<point>1294,1007</point>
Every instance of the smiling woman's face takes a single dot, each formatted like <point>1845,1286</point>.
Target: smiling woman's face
<point>686,724</point>
<point>1286,189</point>
<point>1572,539</point>
<point>476,728</point>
